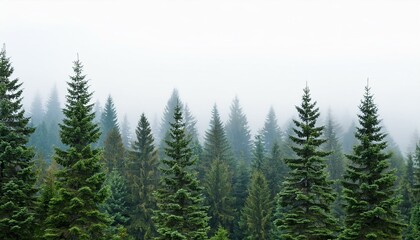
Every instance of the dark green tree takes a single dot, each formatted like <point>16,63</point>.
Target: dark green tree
<point>256,214</point>
<point>109,120</point>
<point>307,194</point>
<point>17,178</point>
<point>181,213</point>
<point>74,211</point>
<point>114,152</point>
<point>368,183</point>
<point>259,154</point>
<point>116,205</point>
<point>216,145</point>
<point>241,181</point>
<point>143,179</point>
<point>238,133</point>
<point>271,131</point>
<point>275,170</point>
<point>218,195</point>
<point>221,234</point>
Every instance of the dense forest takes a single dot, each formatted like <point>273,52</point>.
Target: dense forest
<point>75,172</point>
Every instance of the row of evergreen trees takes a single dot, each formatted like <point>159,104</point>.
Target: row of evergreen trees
<point>98,186</point>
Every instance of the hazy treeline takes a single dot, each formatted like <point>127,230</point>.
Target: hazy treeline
<point>78,173</point>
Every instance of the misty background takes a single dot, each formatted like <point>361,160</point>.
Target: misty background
<point>264,52</point>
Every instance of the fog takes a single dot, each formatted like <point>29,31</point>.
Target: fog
<point>264,52</point>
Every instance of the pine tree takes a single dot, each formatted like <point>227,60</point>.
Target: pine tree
<point>116,205</point>
<point>216,145</point>
<point>271,131</point>
<point>143,179</point>
<point>180,214</point>
<point>259,154</point>
<point>17,200</point>
<point>218,194</point>
<point>109,120</point>
<point>275,170</point>
<point>74,211</point>
<point>369,184</point>
<point>168,115</point>
<point>238,133</point>
<point>307,194</point>
<point>256,214</point>
<point>114,152</point>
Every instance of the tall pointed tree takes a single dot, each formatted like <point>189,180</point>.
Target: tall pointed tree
<point>275,170</point>
<point>259,154</point>
<point>167,118</point>
<point>218,193</point>
<point>53,116</point>
<point>369,183</point>
<point>17,179</point>
<point>307,194</point>
<point>74,211</point>
<point>125,132</point>
<point>114,152</point>
<point>271,131</point>
<point>143,179</point>
<point>256,214</point>
<point>216,145</point>
<point>238,133</point>
<point>109,120</point>
<point>180,214</point>
<point>36,111</point>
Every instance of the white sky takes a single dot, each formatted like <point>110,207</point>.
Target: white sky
<point>262,51</point>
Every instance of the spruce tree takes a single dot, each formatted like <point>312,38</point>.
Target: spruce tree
<point>143,179</point>
<point>307,194</point>
<point>238,133</point>
<point>109,120</point>
<point>218,195</point>
<point>167,118</point>
<point>116,206</point>
<point>17,178</point>
<point>271,131</point>
<point>221,234</point>
<point>256,214</point>
<point>114,152</point>
<point>180,214</point>
<point>216,145</point>
<point>275,170</point>
<point>259,154</point>
<point>368,183</point>
<point>74,211</point>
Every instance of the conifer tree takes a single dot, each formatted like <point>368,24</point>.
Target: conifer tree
<point>109,120</point>
<point>275,170</point>
<point>114,152</point>
<point>271,131</point>
<point>17,179</point>
<point>74,211</point>
<point>221,234</point>
<point>180,214</point>
<point>259,154</point>
<point>368,182</point>
<point>256,214</point>
<point>116,205</point>
<point>167,118</point>
<point>238,133</point>
<point>307,194</point>
<point>216,145</point>
<point>192,132</point>
<point>218,194</point>
<point>143,179</point>
<point>53,116</point>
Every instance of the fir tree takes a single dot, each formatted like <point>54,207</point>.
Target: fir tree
<point>221,234</point>
<point>275,170</point>
<point>256,214</point>
<point>37,111</point>
<point>167,118</point>
<point>17,201</point>
<point>271,131</point>
<point>114,152</point>
<point>116,205</point>
<point>216,145</point>
<point>307,194</point>
<point>143,179</point>
<point>180,214</point>
<point>74,211</point>
<point>259,154</point>
<point>109,120</point>
<point>369,184</point>
<point>218,193</point>
<point>238,133</point>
